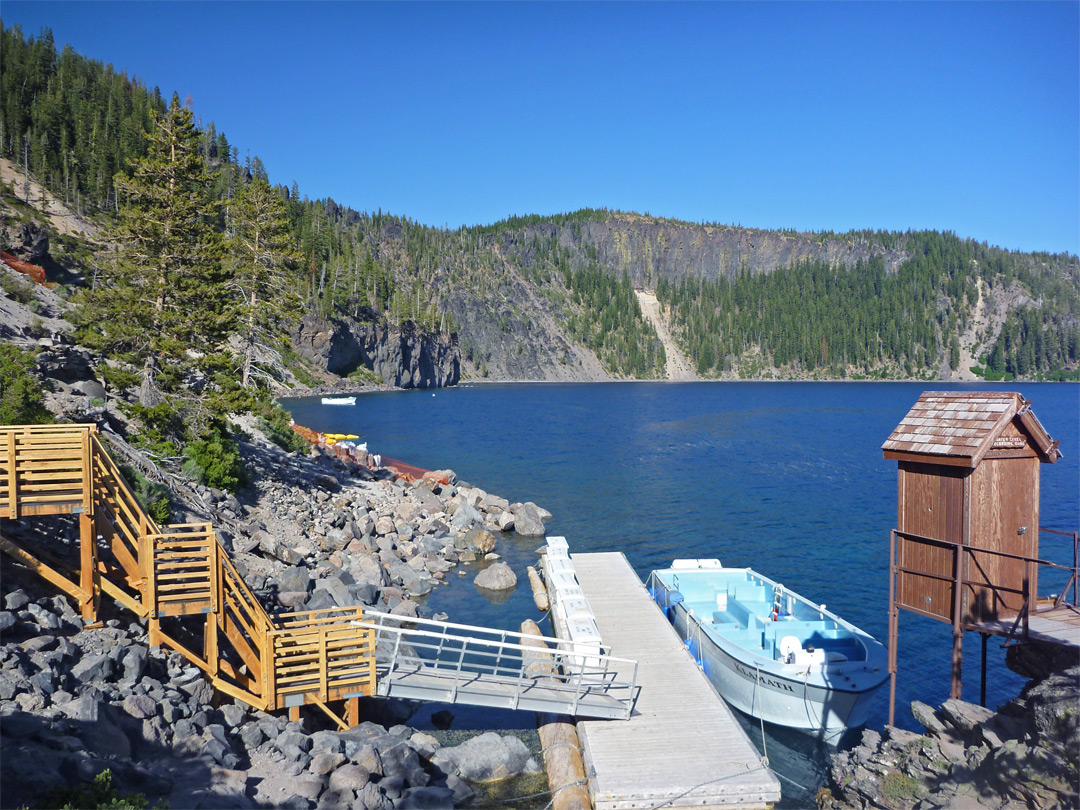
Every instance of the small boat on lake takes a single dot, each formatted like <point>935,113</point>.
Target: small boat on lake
<point>770,652</point>
<point>339,400</point>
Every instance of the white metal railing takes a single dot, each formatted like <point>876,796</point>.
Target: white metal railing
<point>460,653</point>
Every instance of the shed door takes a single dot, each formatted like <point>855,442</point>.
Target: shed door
<point>1005,500</point>
<point>931,504</point>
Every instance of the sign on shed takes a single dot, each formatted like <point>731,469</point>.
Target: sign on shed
<point>968,477</point>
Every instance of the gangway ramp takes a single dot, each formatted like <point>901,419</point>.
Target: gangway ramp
<point>682,746</point>
<point>426,659</point>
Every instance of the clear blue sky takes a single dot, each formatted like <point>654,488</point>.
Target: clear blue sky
<point>955,116</point>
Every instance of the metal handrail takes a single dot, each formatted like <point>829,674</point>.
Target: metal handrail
<point>1025,610</point>
<point>578,671</point>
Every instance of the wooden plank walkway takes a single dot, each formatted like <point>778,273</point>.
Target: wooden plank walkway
<point>682,747</point>
<point>1060,625</point>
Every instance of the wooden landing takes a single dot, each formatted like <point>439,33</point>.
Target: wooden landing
<point>682,747</point>
<point>1060,625</point>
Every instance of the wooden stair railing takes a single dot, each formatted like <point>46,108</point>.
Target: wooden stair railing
<point>179,578</point>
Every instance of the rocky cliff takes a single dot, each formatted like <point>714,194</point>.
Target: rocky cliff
<point>647,248</point>
<point>405,356</point>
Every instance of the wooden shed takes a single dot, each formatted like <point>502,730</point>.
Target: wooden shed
<point>968,479</point>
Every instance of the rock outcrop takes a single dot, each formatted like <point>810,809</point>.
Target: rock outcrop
<point>1025,755</point>
<point>405,357</point>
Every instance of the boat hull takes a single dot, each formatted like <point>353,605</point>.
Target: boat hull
<point>772,697</point>
<point>770,652</point>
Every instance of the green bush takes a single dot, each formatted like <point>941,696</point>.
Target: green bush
<point>214,460</point>
<point>283,436</point>
<point>99,795</point>
<point>153,497</point>
<point>22,399</point>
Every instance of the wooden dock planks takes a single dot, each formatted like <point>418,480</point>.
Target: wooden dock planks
<point>683,747</point>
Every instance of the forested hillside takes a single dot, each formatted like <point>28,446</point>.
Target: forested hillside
<point>533,297</point>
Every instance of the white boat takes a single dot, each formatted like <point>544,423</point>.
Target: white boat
<point>339,400</point>
<point>770,652</point>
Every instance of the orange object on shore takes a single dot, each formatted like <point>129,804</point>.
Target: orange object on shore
<point>401,470</point>
<point>34,271</point>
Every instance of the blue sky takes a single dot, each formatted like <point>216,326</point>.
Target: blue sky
<point>955,116</point>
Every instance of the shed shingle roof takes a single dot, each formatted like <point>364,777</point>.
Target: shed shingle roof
<point>964,424</point>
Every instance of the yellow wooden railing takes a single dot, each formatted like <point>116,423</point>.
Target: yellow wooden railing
<point>179,578</point>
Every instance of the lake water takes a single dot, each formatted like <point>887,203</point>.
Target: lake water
<point>787,478</point>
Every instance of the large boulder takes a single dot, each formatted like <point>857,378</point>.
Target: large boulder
<point>527,521</point>
<point>479,541</point>
<point>485,758</point>
<point>496,577</point>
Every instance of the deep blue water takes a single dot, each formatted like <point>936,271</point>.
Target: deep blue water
<point>787,478</point>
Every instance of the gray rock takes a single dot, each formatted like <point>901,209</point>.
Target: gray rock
<point>496,577</point>
<point>479,541</point>
<point>465,516</point>
<point>134,663</point>
<point>16,600</point>
<point>324,762</point>
<point>385,526</point>
<point>527,521</point>
<point>233,715</point>
<point>486,757</point>
<point>8,620</point>
<point>140,706</point>
<point>92,668</point>
<point>349,777</point>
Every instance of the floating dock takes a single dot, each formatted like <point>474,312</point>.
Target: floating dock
<point>682,747</point>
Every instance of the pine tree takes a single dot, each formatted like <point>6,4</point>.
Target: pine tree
<point>164,294</point>
<point>262,254</point>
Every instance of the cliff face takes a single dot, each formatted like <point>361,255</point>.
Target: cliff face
<point>649,249</point>
<point>406,357</point>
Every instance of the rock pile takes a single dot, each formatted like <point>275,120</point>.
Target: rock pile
<point>307,534</point>
<point>312,533</point>
<point>74,702</point>
<point>1026,755</point>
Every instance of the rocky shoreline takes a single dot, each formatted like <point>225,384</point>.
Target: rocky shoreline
<point>1025,755</point>
<point>308,533</point>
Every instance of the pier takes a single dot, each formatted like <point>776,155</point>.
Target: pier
<point>682,746</point>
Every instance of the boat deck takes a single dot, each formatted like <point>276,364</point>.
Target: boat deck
<point>682,747</point>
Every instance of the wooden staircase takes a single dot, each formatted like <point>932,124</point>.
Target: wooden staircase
<point>180,579</point>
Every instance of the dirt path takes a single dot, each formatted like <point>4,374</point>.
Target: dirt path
<point>678,368</point>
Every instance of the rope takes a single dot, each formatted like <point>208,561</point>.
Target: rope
<point>753,706</point>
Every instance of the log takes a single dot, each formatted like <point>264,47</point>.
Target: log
<point>540,595</point>
<point>558,735</point>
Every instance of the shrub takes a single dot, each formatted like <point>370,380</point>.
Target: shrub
<point>153,497</point>
<point>214,460</point>
<point>22,399</point>
<point>99,795</point>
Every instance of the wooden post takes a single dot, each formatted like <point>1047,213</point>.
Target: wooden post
<point>893,627</point>
<point>958,632</point>
<point>539,592</point>
<point>88,573</point>
<point>982,680</point>
<point>294,714</point>
<point>558,737</point>
<point>13,481</point>
<point>352,712</point>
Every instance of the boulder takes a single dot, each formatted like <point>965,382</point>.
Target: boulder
<point>486,757</point>
<point>527,521</point>
<point>479,541</point>
<point>496,577</point>
<point>466,516</point>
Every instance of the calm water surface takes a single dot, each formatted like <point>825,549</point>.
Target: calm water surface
<point>787,478</point>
